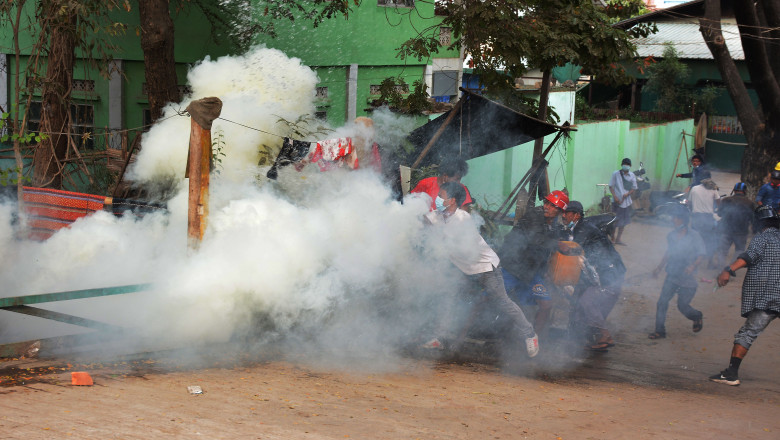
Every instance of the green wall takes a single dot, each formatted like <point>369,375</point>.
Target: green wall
<point>587,158</point>
<point>369,37</point>
<point>193,34</point>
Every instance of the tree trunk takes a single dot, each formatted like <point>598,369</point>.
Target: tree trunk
<point>157,44</point>
<point>761,133</point>
<point>55,115</point>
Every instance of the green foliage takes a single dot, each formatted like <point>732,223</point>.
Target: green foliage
<point>10,177</point>
<point>393,92</point>
<point>217,151</point>
<point>666,79</point>
<point>508,37</point>
<point>304,127</point>
<point>245,25</point>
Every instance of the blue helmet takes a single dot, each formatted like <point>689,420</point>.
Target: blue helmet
<point>740,186</point>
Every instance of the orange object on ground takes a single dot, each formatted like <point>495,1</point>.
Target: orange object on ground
<point>80,378</point>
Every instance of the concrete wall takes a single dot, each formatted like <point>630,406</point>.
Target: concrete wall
<point>586,159</point>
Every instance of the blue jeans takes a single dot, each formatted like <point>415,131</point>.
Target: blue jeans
<point>684,297</point>
<point>493,284</point>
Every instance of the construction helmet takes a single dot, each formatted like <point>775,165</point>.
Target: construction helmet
<point>777,166</point>
<point>765,212</point>
<point>558,198</point>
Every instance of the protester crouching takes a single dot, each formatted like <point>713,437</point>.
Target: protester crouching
<point>469,252</point>
<point>595,295</point>
<point>525,255</point>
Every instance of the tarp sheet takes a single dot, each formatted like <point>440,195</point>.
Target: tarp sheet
<point>479,127</point>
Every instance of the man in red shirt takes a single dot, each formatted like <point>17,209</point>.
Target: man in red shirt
<point>450,170</point>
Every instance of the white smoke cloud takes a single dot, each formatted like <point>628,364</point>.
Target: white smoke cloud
<point>257,90</point>
<point>329,258</point>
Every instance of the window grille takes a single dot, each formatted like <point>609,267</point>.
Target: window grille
<point>82,118</point>
<point>83,85</point>
<point>375,89</point>
<point>396,3</point>
<point>322,93</point>
<point>184,89</point>
<point>445,36</point>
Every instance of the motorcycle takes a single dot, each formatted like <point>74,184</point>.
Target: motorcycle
<point>642,181</point>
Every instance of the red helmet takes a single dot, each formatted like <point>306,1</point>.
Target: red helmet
<point>558,198</point>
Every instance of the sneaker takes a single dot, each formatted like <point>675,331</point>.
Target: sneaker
<point>532,345</point>
<point>433,344</point>
<point>726,377</point>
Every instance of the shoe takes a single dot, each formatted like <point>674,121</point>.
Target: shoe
<point>698,325</point>
<point>656,335</point>
<point>532,345</point>
<point>433,344</point>
<point>725,377</point>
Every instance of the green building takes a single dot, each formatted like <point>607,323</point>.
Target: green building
<point>105,105</point>
<point>352,57</point>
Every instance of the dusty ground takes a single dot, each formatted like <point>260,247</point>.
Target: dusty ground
<point>639,389</point>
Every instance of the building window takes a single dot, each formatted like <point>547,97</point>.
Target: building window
<point>445,36</point>
<point>184,89</point>
<point>445,83</point>
<point>375,89</point>
<point>321,115</point>
<point>83,85</point>
<point>146,119</point>
<point>322,93</point>
<point>82,118</point>
<point>396,3</point>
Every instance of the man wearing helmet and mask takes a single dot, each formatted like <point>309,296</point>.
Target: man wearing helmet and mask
<point>526,252</point>
<point>736,214</point>
<point>760,288</point>
<point>622,184</point>
<point>769,193</point>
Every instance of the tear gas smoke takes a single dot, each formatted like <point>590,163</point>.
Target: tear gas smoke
<point>327,260</point>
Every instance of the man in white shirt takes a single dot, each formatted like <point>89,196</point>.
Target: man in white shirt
<point>469,252</point>
<point>622,184</point>
<point>704,199</point>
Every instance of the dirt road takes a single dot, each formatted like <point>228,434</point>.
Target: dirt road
<point>639,389</point>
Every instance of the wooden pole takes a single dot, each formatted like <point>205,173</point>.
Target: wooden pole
<point>674,171</point>
<point>438,133</point>
<point>203,113</point>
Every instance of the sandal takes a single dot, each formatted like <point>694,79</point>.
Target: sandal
<point>599,346</point>
<point>608,342</point>
<point>656,335</point>
<point>698,325</point>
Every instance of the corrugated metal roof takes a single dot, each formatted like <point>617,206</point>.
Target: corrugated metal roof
<point>687,39</point>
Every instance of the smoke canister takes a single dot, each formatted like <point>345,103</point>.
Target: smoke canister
<point>564,267</point>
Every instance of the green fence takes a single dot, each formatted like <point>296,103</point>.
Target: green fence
<point>586,159</point>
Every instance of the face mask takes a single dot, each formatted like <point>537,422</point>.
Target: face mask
<point>570,225</point>
<point>440,204</point>
<point>626,168</point>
